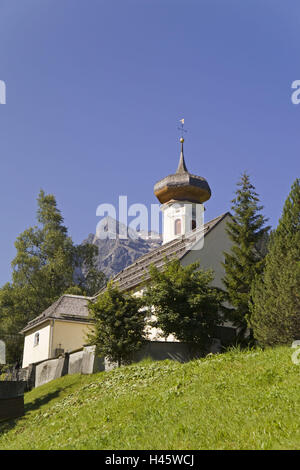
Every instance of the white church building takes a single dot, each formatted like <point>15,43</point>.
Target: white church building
<point>63,327</point>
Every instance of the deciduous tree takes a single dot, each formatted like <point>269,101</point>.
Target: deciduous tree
<point>185,304</point>
<point>46,265</point>
<point>119,324</point>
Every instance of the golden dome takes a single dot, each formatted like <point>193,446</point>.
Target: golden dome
<point>182,186</point>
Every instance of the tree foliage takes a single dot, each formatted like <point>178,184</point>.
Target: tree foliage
<point>90,279</point>
<point>275,302</point>
<point>248,232</point>
<point>119,324</point>
<point>185,304</point>
<point>46,265</point>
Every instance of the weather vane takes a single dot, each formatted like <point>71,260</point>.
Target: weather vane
<point>181,129</point>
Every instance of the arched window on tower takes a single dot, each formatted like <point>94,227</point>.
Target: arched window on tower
<point>36,339</point>
<point>177,227</point>
<point>193,224</point>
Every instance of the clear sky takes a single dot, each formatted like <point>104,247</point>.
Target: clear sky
<point>95,90</point>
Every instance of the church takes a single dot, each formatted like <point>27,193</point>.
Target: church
<point>63,327</point>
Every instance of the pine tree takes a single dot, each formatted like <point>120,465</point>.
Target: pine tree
<point>185,303</point>
<point>119,325</point>
<point>247,232</point>
<point>275,302</point>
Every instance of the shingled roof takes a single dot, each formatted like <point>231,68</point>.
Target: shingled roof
<point>182,185</point>
<point>75,307</point>
<point>137,273</point>
<point>67,307</point>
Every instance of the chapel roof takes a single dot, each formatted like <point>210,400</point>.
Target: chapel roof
<point>75,307</point>
<point>68,307</point>
<point>137,273</point>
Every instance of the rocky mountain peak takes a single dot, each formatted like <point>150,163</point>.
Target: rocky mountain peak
<point>117,252</point>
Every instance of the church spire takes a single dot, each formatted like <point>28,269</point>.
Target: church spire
<point>182,186</point>
<point>181,165</point>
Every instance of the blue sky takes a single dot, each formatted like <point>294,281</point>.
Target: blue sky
<point>95,90</point>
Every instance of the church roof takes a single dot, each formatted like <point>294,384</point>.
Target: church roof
<point>182,185</point>
<point>67,307</point>
<point>137,273</point>
<point>75,307</point>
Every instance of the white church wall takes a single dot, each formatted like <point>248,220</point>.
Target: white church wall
<point>211,255</point>
<point>183,211</point>
<point>171,212</point>
<point>36,352</point>
<point>156,334</point>
<point>152,333</point>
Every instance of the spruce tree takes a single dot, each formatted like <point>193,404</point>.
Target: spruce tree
<point>246,231</point>
<point>275,302</point>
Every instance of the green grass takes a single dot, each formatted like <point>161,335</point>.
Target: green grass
<point>236,400</point>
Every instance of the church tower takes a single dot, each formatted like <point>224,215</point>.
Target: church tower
<point>182,196</point>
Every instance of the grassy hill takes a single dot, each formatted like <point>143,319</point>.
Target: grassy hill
<point>237,400</point>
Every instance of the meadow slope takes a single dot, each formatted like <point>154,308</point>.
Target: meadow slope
<point>236,400</point>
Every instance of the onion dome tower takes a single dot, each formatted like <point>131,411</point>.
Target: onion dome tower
<point>182,196</point>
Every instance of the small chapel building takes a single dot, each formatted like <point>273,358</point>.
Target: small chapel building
<point>63,327</point>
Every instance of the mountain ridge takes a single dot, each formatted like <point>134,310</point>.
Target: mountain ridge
<point>116,252</point>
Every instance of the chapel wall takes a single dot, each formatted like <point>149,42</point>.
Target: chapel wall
<point>39,352</point>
